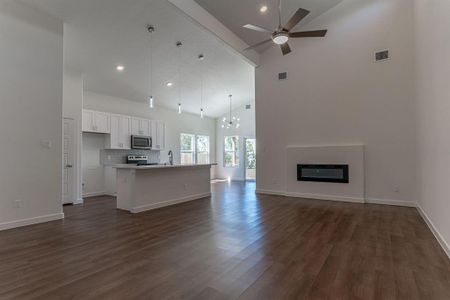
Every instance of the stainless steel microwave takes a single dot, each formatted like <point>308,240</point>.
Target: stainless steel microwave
<point>141,142</point>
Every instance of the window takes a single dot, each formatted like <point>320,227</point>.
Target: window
<point>202,147</point>
<point>194,149</point>
<point>187,148</point>
<point>231,151</point>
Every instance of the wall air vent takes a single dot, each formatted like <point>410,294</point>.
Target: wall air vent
<point>381,55</point>
<point>282,76</point>
<point>248,106</point>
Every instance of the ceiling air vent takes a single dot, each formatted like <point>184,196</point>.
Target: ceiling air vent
<point>248,106</point>
<point>382,55</point>
<point>282,76</point>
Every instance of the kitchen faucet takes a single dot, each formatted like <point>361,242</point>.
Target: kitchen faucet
<point>170,157</point>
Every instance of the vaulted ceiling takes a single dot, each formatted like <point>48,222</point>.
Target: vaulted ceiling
<point>100,34</point>
<point>236,13</point>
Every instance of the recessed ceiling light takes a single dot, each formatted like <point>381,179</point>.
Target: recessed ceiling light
<point>120,68</point>
<point>169,84</point>
<point>263,8</point>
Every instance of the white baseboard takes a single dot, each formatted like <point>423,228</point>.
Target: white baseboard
<point>391,202</point>
<point>143,208</point>
<point>31,221</point>
<point>445,246</point>
<point>94,194</point>
<point>270,192</point>
<point>325,197</point>
<point>79,201</point>
<point>311,196</point>
<point>339,198</point>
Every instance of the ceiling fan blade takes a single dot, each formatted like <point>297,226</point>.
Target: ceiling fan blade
<point>257,28</point>
<point>304,34</point>
<point>285,48</point>
<point>258,44</point>
<point>296,18</point>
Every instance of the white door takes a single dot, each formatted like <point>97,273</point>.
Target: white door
<point>160,135</point>
<point>88,120</point>
<point>102,122</point>
<point>68,153</point>
<point>145,127</point>
<point>125,132</point>
<point>136,126</point>
<point>115,132</point>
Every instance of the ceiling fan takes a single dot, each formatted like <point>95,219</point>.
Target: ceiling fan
<point>281,35</point>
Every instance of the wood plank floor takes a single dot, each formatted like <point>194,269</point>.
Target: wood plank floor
<point>236,245</point>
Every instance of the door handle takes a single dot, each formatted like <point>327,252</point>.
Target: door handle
<point>69,166</point>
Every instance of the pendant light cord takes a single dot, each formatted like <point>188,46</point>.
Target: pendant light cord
<point>151,66</point>
<point>230,110</point>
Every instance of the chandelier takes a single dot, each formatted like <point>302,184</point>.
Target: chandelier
<point>230,122</point>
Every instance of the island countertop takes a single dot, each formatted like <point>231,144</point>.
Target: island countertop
<point>161,166</point>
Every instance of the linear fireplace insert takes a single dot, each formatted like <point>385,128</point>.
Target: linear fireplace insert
<point>323,173</point>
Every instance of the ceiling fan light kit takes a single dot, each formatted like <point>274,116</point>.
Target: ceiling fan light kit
<point>280,38</point>
<point>282,34</point>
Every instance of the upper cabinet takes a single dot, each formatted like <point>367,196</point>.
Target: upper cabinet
<point>158,135</point>
<point>96,121</point>
<point>121,128</point>
<point>120,137</point>
<point>141,126</point>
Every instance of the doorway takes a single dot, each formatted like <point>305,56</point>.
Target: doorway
<point>250,159</point>
<point>68,153</point>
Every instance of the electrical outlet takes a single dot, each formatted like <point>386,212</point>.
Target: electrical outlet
<point>396,189</point>
<point>17,203</point>
<point>46,144</point>
<point>185,186</point>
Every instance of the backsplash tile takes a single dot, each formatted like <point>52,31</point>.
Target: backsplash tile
<point>109,157</point>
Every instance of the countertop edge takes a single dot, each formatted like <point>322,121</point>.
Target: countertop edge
<point>134,167</point>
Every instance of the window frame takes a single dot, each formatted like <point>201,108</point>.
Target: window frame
<point>208,151</point>
<point>235,151</point>
<point>193,151</point>
<point>194,145</point>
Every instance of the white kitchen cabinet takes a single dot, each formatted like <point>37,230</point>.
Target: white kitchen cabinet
<point>96,121</point>
<point>141,126</point>
<point>120,137</point>
<point>158,135</point>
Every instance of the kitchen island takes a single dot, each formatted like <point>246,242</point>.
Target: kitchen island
<point>141,188</point>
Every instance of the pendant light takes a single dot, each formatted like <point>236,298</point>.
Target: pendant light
<point>231,121</point>
<point>151,104</point>
<point>201,57</point>
<point>179,44</point>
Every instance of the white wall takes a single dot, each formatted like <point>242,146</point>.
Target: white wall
<point>246,130</point>
<point>72,109</point>
<point>31,64</point>
<point>433,113</point>
<point>336,94</point>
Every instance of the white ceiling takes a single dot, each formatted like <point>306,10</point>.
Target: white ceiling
<point>100,34</point>
<point>236,13</point>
